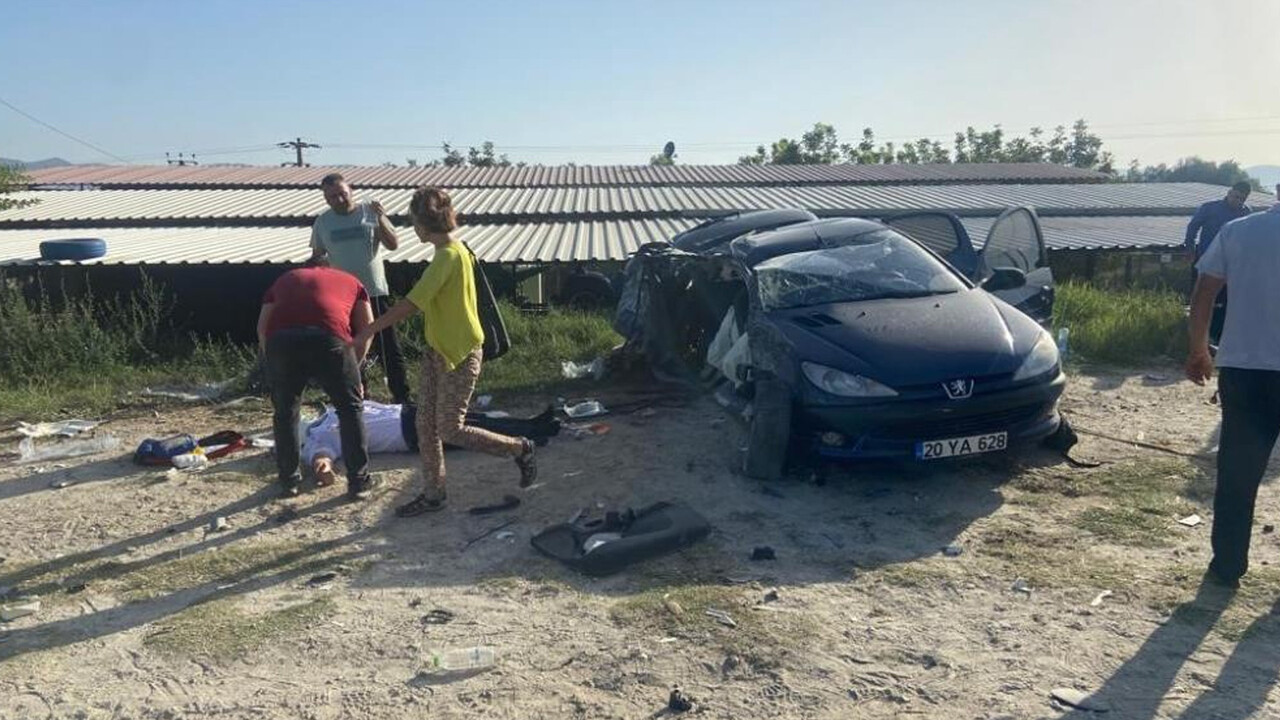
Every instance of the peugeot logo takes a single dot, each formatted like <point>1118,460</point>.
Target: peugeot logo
<point>958,389</point>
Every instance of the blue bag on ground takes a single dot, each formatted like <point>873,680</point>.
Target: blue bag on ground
<point>161,452</point>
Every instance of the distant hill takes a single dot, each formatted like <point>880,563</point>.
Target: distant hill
<point>1268,175</point>
<point>36,165</point>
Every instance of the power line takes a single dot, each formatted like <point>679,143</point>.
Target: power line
<point>68,135</point>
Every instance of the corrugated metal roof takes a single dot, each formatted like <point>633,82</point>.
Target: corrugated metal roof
<point>529,243</point>
<point>172,176</point>
<point>537,242</point>
<point>503,205</point>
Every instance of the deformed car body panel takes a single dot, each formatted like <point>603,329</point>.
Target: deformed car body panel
<point>934,327</point>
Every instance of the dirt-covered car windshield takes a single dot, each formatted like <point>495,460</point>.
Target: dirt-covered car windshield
<point>875,265</point>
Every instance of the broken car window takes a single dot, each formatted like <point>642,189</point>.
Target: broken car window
<point>875,265</point>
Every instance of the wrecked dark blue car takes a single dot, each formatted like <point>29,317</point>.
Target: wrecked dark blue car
<point>853,338</point>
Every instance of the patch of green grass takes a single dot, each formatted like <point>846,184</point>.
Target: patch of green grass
<point>1050,560</point>
<point>761,638</point>
<point>223,630</point>
<point>1123,525</point>
<point>1121,326</point>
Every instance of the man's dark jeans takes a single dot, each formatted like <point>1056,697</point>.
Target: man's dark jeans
<point>295,356</point>
<point>387,347</point>
<point>1250,424</point>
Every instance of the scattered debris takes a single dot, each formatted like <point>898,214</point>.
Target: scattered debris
<point>218,525</point>
<point>672,606</point>
<point>678,702</point>
<point>953,550</point>
<point>1268,529</point>
<point>288,514</point>
<point>1156,378</point>
<point>740,579</point>
<point>572,473</point>
<point>29,453</point>
<point>763,552</point>
<point>262,442</point>
<point>721,617</point>
<point>487,533</point>
<point>577,371</point>
<point>1021,586</point>
<point>731,663</point>
<point>504,535</point>
<point>647,412</point>
<point>579,432</point>
<point>1097,599</point>
<point>438,616</point>
<point>64,428</point>
<point>74,588</point>
<point>1191,520</point>
<point>1076,699</point>
<point>323,578</point>
<point>60,484</point>
<point>771,595</point>
<point>585,409</point>
<point>21,609</point>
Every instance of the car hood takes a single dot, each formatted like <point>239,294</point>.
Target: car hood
<point>905,342</point>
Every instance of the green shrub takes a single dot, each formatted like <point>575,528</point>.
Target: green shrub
<point>1122,326</point>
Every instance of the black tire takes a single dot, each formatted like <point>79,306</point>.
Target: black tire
<point>770,432</point>
<point>589,291</point>
<point>73,249</point>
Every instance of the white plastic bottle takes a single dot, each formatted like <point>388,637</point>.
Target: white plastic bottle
<point>463,659</point>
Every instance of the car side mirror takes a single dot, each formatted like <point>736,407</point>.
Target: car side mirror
<point>1005,278</point>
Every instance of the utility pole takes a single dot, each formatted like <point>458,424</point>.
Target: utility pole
<point>181,160</point>
<point>297,144</point>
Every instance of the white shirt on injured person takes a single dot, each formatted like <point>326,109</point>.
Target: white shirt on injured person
<point>381,432</point>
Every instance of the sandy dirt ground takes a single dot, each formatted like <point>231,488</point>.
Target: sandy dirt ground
<point>1065,578</point>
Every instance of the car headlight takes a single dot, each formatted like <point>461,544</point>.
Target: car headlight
<point>1043,358</point>
<point>838,382</point>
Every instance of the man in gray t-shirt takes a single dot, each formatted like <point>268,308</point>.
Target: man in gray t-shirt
<point>350,236</point>
<point>1245,258</point>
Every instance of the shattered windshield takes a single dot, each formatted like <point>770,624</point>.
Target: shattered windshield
<point>876,265</point>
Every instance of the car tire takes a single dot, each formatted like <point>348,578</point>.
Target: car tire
<point>73,249</point>
<point>589,291</point>
<point>770,432</point>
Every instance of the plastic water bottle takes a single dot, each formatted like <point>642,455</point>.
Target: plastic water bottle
<point>463,659</point>
<point>1064,340</point>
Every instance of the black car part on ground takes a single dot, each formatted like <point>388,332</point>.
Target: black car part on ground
<point>606,545</point>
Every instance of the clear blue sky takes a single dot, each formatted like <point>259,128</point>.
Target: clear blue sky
<point>599,82</point>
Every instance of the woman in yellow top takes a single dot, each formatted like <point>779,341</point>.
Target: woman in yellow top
<point>446,296</point>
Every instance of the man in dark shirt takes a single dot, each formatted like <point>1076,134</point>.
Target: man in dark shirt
<point>309,316</point>
<point>1212,215</point>
<point>1206,223</point>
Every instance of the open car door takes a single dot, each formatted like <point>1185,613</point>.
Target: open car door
<point>942,233</point>
<point>1016,242</point>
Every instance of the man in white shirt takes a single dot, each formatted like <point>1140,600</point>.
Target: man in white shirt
<point>1245,258</point>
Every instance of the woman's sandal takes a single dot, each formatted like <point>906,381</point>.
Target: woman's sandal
<point>528,464</point>
<point>419,505</point>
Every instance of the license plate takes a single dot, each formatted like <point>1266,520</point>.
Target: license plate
<point>956,447</point>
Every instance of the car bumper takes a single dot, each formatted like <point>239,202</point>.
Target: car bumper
<point>892,430</point>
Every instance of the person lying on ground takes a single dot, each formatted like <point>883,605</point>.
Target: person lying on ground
<point>446,297</point>
<point>391,428</point>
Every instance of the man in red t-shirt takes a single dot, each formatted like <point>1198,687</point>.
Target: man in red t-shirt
<point>309,315</point>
